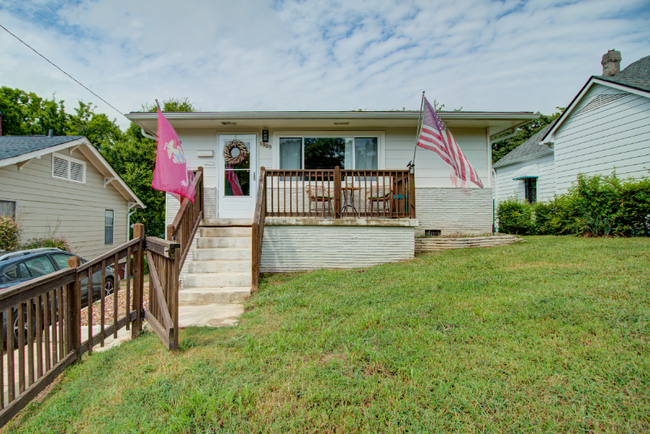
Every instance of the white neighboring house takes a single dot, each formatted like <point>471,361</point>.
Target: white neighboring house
<point>63,184</point>
<point>605,129</point>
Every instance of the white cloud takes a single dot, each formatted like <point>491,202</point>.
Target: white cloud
<point>318,55</point>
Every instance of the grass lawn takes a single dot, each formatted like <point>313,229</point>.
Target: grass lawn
<point>551,335</point>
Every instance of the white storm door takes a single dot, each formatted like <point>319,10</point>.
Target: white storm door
<point>237,179</point>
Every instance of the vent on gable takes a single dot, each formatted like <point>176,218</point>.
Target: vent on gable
<point>68,168</point>
<point>599,101</point>
<point>60,168</point>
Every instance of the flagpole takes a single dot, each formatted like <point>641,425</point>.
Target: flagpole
<point>417,137</point>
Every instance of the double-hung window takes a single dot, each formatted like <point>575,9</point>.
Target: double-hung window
<point>318,152</point>
<point>109,226</point>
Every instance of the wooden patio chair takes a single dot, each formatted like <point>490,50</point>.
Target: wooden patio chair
<point>319,194</point>
<point>380,194</point>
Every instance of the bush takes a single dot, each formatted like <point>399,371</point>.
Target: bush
<point>51,241</point>
<point>594,206</point>
<point>515,217</point>
<point>9,233</point>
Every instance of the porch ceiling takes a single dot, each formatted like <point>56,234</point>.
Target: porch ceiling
<point>330,120</point>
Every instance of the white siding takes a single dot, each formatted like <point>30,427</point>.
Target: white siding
<point>295,248</point>
<point>612,137</point>
<point>507,187</point>
<point>70,209</point>
<point>454,210</point>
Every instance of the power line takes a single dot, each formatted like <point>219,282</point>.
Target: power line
<point>74,79</point>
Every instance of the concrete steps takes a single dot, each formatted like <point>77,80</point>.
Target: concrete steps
<point>219,277</point>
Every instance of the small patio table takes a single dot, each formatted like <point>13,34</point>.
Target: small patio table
<point>348,198</point>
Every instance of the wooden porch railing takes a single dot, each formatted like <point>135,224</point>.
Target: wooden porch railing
<point>46,312</point>
<point>162,312</point>
<point>187,220</point>
<point>340,193</point>
<point>258,230</point>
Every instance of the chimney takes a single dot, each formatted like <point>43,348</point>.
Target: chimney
<point>0,123</point>
<point>611,63</point>
<point>50,133</point>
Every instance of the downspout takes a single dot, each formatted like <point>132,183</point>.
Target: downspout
<point>130,205</point>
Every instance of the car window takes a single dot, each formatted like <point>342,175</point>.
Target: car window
<point>61,260</point>
<point>39,266</point>
<point>14,272</point>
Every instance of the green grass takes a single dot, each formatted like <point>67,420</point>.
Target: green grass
<point>551,335</point>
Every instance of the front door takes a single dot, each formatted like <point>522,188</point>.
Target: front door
<point>237,174</point>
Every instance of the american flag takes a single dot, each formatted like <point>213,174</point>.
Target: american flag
<point>435,137</point>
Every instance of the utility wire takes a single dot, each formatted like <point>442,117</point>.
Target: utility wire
<point>74,79</point>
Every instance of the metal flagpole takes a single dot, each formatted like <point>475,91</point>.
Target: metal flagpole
<point>417,137</point>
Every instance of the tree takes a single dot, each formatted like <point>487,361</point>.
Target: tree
<point>26,114</point>
<point>501,148</point>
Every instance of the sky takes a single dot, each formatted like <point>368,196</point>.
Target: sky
<point>317,55</point>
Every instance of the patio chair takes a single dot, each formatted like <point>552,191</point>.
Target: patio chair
<point>380,194</point>
<point>319,194</point>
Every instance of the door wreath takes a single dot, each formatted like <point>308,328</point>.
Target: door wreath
<point>232,159</point>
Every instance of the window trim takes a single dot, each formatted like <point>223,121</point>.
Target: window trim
<point>15,202</point>
<point>69,160</point>
<point>113,228</point>
<point>380,135</point>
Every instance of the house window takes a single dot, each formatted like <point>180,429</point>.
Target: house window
<point>8,209</point>
<point>530,185</point>
<point>109,226</point>
<point>306,152</point>
<point>67,168</point>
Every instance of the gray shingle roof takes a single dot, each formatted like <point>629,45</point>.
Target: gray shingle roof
<point>527,150</point>
<point>636,75</point>
<point>14,146</point>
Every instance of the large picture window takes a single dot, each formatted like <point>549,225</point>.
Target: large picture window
<point>313,152</point>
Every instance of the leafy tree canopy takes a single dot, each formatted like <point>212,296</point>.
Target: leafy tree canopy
<point>501,148</point>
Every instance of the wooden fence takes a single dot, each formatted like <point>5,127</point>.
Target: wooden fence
<point>42,329</point>
<point>337,193</point>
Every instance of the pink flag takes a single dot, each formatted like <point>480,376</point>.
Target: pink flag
<point>170,174</point>
<point>232,178</point>
<point>437,138</point>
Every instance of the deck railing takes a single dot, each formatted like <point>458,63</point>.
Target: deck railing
<point>337,193</point>
<point>187,220</point>
<point>258,230</point>
<point>42,329</point>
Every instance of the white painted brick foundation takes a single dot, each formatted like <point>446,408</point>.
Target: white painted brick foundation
<point>454,210</point>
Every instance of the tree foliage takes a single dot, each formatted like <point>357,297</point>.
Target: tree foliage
<point>132,155</point>
<point>501,148</point>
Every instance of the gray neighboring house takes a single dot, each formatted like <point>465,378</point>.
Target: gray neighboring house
<point>605,129</point>
<point>62,184</point>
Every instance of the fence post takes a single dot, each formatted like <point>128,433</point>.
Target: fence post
<point>138,279</point>
<point>337,192</point>
<point>73,310</point>
<point>170,232</point>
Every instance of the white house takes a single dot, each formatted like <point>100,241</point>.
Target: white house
<point>63,185</point>
<point>604,130</point>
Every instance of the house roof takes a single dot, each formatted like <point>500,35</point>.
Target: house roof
<point>21,149</point>
<point>635,75</point>
<point>635,78</point>
<point>495,122</point>
<point>14,146</point>
<point>528,150</point>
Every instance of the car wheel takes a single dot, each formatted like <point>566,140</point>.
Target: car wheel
<point>109,286</point>
<point>25,327</point>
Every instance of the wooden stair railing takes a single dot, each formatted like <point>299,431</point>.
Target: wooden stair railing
<point>258,230</point>
<point>187,220</point>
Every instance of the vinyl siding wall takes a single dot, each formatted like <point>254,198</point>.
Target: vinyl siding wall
<point>70,209</point>
<point>507,187</point>
<point>612,137</point>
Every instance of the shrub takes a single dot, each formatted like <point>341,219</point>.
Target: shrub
<point>50,241</point>
<point>515,217</point>
<point>9,233</point>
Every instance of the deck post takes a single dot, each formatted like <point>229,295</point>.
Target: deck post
<point>73,310</point>
<point>138,279</point>
<point>337,192</point>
